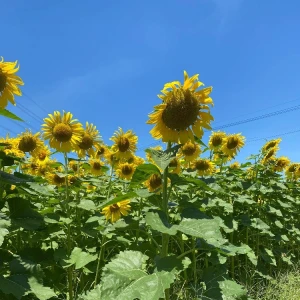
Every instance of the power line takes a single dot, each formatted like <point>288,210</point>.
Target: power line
<point>272,136</point>
<point>30,113</point>
<point>8,130</point>
<point>40,107</point>
<point>275,113</point>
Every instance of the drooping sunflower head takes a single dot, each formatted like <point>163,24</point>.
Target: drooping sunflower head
<point>113,212</point>
<point>96,166</point>
<point>281,163</point>
<point>189,151</point>
<point>232,144</point>
<point>219,158</point>
<point>111,159</point>
<point>184,111</point>
<point>89,141</point>
<point>101,151</point>
<point>55,179</point>
<point>154,183</point>
<point>216,140</point>
<point>271,144</point>
<point>235,165</point>
<point>124,143</point>
<point>292,170</point>
<point>125,170</point>
<point>9,82</point>
<point>28,142</point>
<point>204,167</point>
<point>270,155</point>
<point>174,166</point>
<point>63,132</point>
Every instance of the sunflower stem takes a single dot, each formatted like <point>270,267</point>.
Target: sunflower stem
<point>69,241</point>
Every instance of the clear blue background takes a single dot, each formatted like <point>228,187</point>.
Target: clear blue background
<point>105,61</point>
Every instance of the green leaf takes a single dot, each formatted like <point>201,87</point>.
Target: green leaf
<point>231,290</point>
<point>80,258</point>
<point>157,220</point>
<point>172,264</point>
<point>87,205</point>
<point>17,285</point>
<point>3,229</point>
<point>11,179</point>
<point>163,158</point>
<point>6,113</point>
<point>117,199</point>
<point>143,172</point>
<point>22,215</point>
<point>40,291</point>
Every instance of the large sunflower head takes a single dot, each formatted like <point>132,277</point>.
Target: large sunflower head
<point>28,142</point>
<point>11,147</point>
<point>96,166</point>
<point>63,132</point>
<point>9,82</point>
<point>89,141</point>
<point>184,111</point>
<point>232,144</point>
<point>113,212</point>
<point>154,183</point>
<point>124,143</point>
<point>204,167</point>
<point>216,140</point>
<point>189,151</point>
<point>271,144</point>
<point>281,163</point>
<point>125,170</point>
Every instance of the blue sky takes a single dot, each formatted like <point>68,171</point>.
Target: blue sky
<point>106,61</point>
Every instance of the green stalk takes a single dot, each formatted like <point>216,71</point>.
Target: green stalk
<point>69,241</point>
<point>194,261</point>
<point>182,252</point>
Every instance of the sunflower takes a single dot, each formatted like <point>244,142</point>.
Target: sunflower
<point>216,140</point>
<point>174,166</point>
<point>134,159</point>
<point>96,166</point>
<point>89,187</point>
<point>184,111</point>
<point>270,144</point>
<point>220,158</point>
<point>125,143</point>
<point>111,158</point>
<point>281,163</point>
<point>189,151</point>
<point>28,142</point>
<point>113,212</point>
<point>42,155</point>
<point>55,179</point>
<point>63,132</point>
<point>232,144</point>
<point>89,141</point>
<point>101,150</point>
<point>235,165</point>
<point>203,167</point>
<point>11,147</point>
<point>125,170</point>
<point>292,170</point>
<point>270,155</point>
<point>154,183</point>
<point>9,82</point>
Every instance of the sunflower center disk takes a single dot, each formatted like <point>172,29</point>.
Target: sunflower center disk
<point>173,163</point>
<point>270,153</point>
<point>27,144</point>
<point>232,143</point>
<point>42,156</point>
<point>216,141</point>
<point>74,168</point>
<point>189,149</point>
<point>123,144</point>
<point>127,170</point>
<point>100,151</point>
<point>155,181</point>
<point>270,145</point>
<point>202,165</point>
<point>58,180</point>
<point>62,132</point>
<point>2,81</point>
<point>86,142</point>
<point>114,208</point>
<point>97,166</point>
<point>181,110</point>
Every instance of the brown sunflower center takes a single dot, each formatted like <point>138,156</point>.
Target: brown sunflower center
<point>173,163</point>
<point>292,168</point>
<point>232,142</point>
<point>216,140</point>
<point>270,153</point>
<point>74,167</point>
<point>155,181</point>
<point>42,155</point>
<point>270,145</point>
<point>127,169</point>
<point>123,144</point>
<point>2,81</point>
<point>100,151</point>
<point>73,179</point>
<point>114,208</point>
<point>202,165</point>
<point>97,166</point>
<point>58,180</point>
<point>62,132</point>
<point>27,143</point>
<point>86,142</point>
<point>189,149</point>
<point>281,163</point>
<point>33,166</point>
<point>181,110</point>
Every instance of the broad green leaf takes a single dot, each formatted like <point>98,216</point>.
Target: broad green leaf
<point>143,172</point>
<point>40,291</point>
<point>87,205</point>
<point>4,224</point>
<point>231,290</point>
<point>11,179</point>
<point>163,158</point>
<point>127,196</point>
<point>80,258</point>
<point>17,285</point>
<point>157,220</point>
<point>172,264</point>
<point>6,113</point>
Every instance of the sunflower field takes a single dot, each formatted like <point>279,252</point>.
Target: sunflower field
<point>184,222</point>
